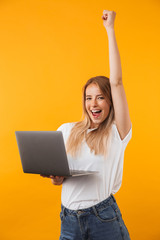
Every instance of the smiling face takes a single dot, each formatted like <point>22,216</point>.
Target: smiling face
<point>96,105</point>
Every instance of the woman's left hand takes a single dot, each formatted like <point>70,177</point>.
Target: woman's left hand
<point>56,180</point>
<point>108,19</point>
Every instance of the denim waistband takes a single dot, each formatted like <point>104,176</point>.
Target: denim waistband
<point>107,202</point>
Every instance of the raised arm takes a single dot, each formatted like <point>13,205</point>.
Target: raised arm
<point>120,104</point>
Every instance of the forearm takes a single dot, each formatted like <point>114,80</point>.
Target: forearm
<point>114,58</point>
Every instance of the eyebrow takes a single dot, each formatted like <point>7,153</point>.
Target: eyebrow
<point>96,95</point>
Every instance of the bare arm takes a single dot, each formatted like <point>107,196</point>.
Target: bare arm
<point>120,104</point>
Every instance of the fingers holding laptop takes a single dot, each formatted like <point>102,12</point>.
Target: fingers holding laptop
<point>44,175</point>
<point>56,180</point>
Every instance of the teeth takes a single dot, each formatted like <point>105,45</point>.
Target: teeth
<point>95,110</point>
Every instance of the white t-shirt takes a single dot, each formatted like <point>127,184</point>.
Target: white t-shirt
<point>86,191</point>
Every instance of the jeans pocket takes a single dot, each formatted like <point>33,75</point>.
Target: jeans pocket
<point>106,214</point>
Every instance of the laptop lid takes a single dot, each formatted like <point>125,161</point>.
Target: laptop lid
<point>43,152</point>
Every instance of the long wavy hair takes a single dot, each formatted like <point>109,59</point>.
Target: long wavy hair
<point>97,139</point>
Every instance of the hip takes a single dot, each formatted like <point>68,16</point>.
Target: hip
<point>102,219</point>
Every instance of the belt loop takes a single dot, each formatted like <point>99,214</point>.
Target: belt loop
<point>63,210</point>
<point>95,211</point>
<point>113,197</point>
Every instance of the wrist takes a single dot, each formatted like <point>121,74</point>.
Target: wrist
<point>110,30</point>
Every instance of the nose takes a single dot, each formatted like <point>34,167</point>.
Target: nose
<point>94,103</point>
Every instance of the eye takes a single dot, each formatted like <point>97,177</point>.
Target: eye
<point>88,98</point>
<point>101,98</point>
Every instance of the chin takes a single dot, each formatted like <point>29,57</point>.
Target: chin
<point>96,122</point>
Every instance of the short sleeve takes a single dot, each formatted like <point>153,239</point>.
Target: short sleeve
<point>65,128</point>
<point>126,139</point>
<point>60,128</point>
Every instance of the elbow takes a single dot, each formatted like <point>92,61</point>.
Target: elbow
<point>116,81</point>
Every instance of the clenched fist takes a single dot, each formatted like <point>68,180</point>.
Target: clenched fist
<point>108,19</point>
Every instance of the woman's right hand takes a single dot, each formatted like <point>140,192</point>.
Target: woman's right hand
<point>56,180</point>
<point>108,19</point>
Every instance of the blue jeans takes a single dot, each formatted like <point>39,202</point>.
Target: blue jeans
<point>102,221</point>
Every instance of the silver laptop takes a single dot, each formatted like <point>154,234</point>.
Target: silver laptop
<point>43,152</point>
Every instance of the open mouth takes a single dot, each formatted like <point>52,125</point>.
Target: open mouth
<point>96,113</point>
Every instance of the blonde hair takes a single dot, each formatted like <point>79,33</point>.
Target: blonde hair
<point>96,139</point>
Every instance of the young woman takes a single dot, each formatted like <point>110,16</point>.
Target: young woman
<point>89,210</point>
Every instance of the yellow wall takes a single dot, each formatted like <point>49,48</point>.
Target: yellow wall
<point>48,50</point>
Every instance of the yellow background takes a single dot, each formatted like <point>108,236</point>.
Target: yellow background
<point>48,50</point>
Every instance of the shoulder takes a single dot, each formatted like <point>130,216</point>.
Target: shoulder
<point>66,126</point>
